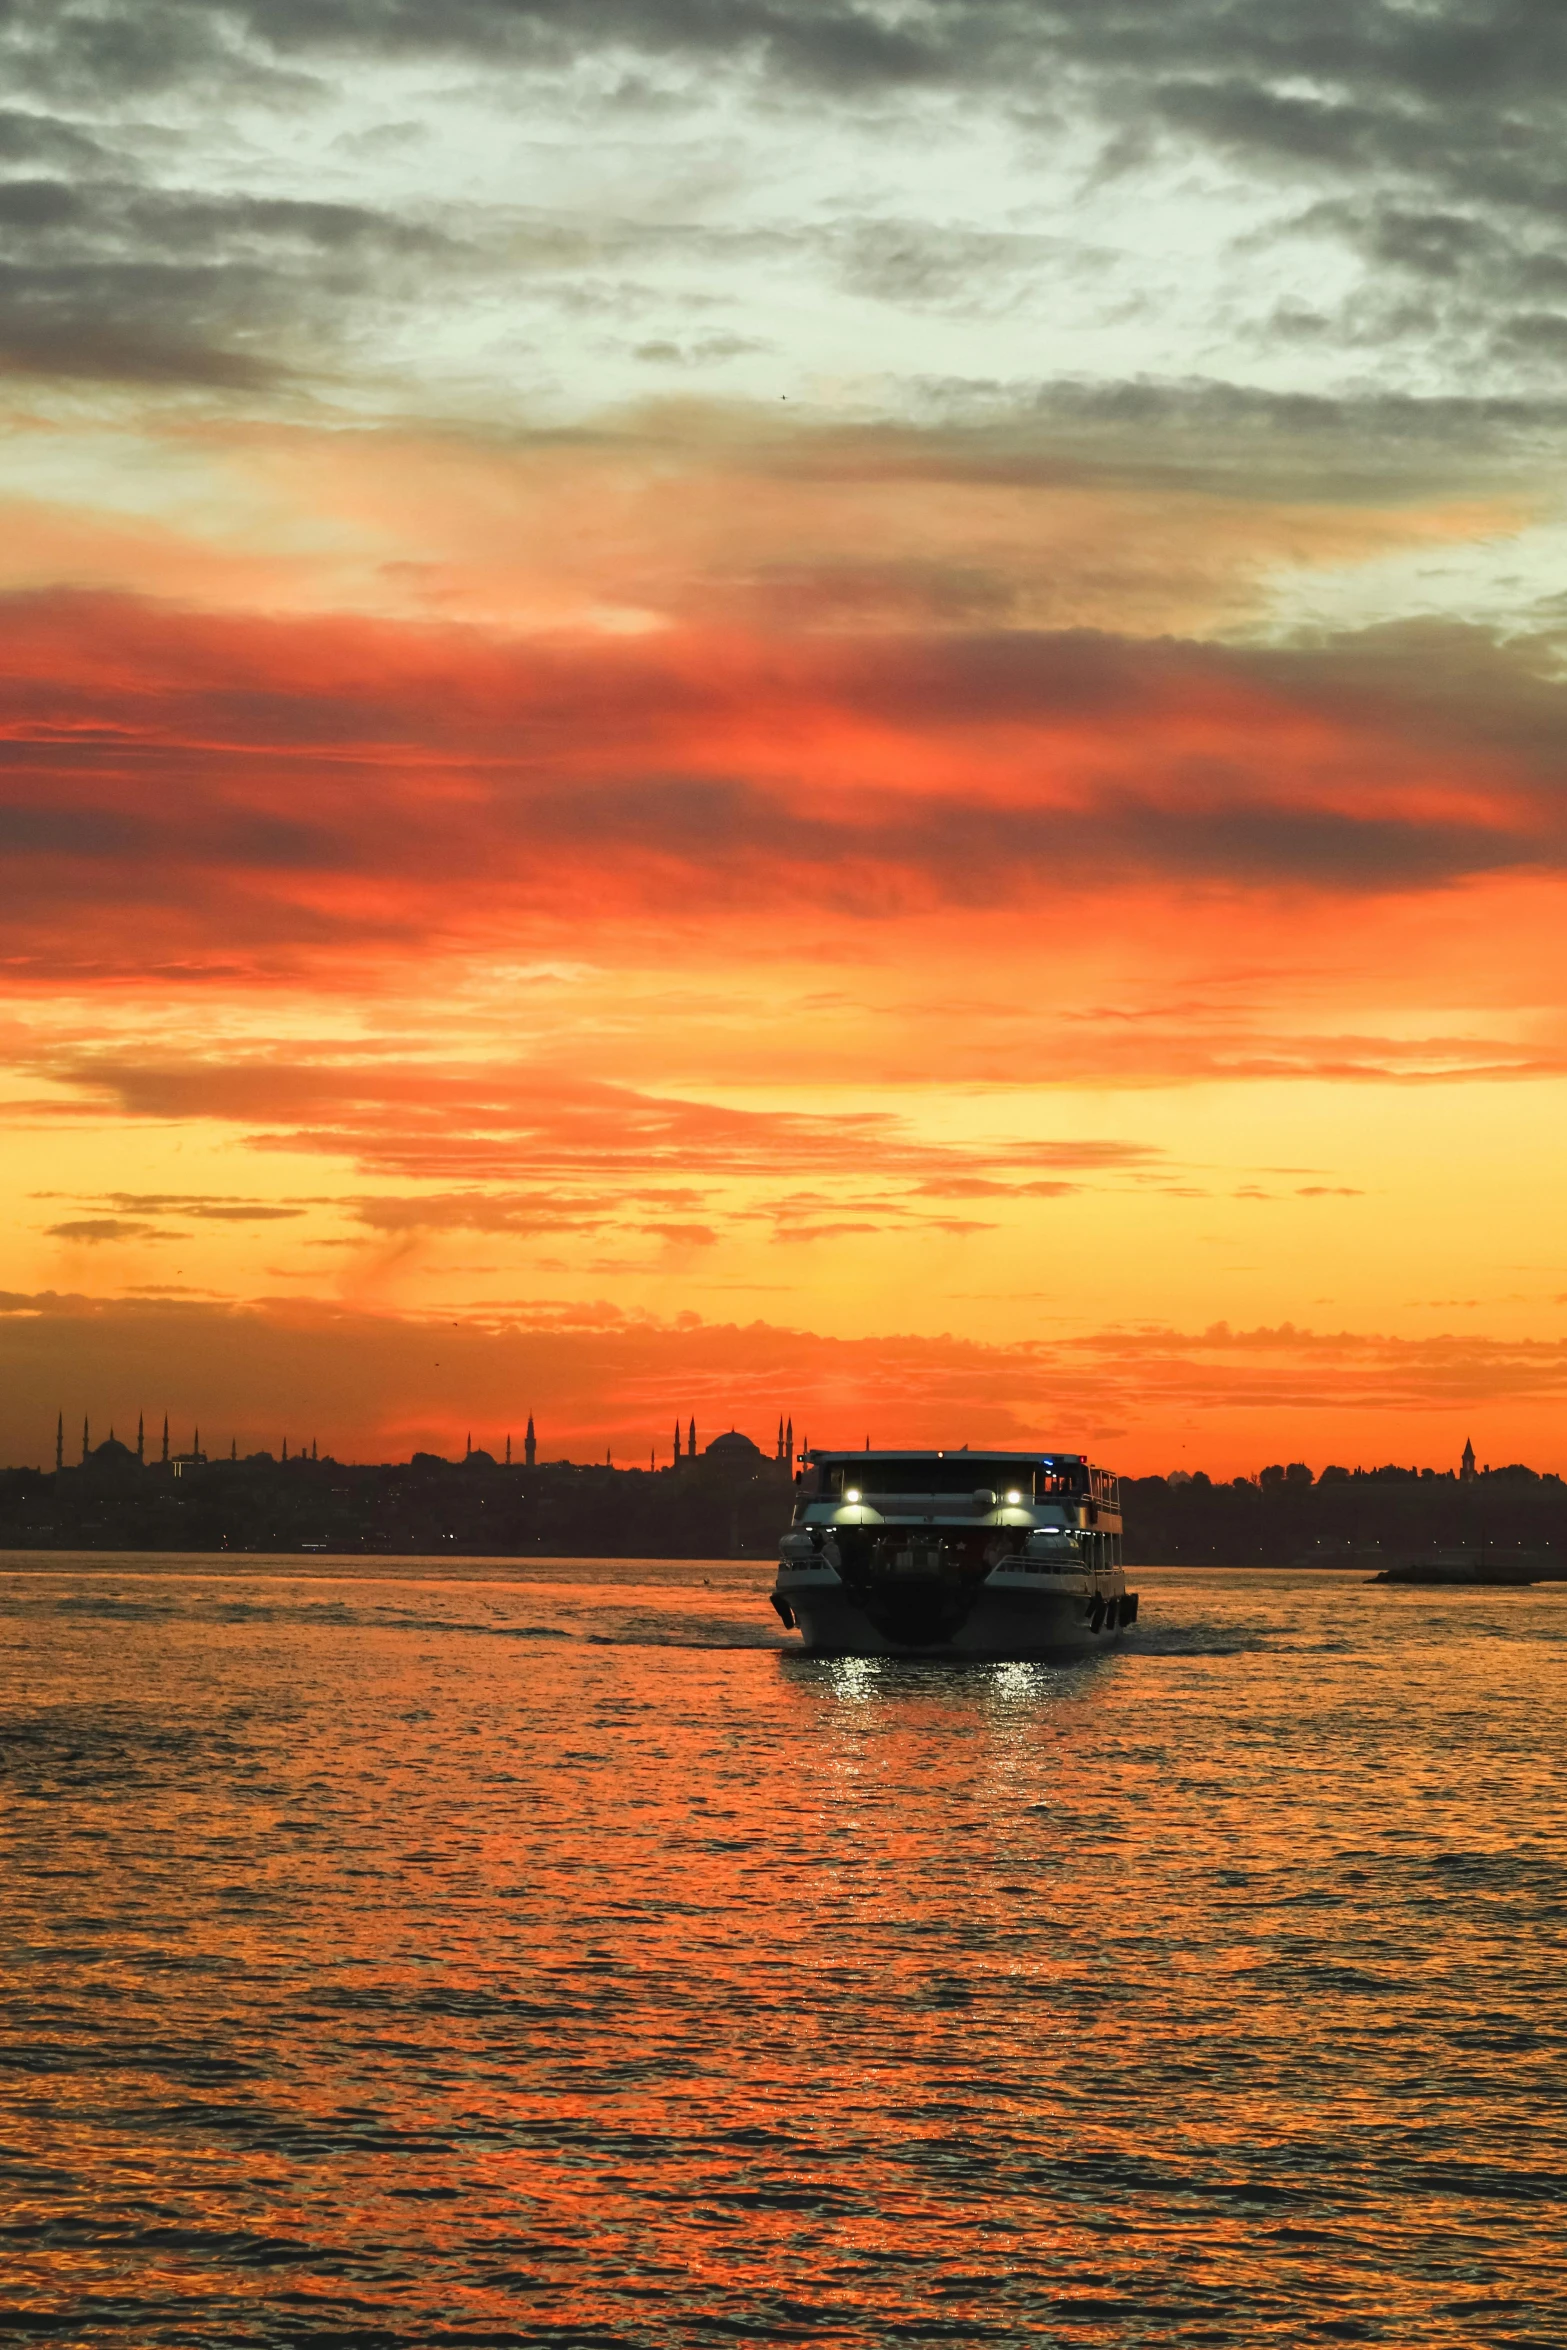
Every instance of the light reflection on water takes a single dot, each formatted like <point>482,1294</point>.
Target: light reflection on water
<point>549,1956</point>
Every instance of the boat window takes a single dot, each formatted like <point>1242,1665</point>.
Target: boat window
<point>965,1473</point>
<point>876,1475</point>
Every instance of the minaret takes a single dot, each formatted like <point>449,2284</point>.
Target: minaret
<point>285,1448</point>
<point>165,1439</point>
<point>59,1444</point>
<point>609,1458</point>
<point>313,1453</point>
<point>508,1448</point>
<point>779,1454</point>
<point>530,1446</point>
<point>233,1448</point>
<point>693,1436</point>
<point>789,1443</point>
<point>677,1444</point>
<point>195,1444</point>
<point>141,1442</point>
<point>84,1440</point>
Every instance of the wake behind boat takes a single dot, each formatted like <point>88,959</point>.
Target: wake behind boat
<point>994,1554</point>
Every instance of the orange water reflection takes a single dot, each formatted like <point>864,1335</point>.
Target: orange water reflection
<point>555,1960</point>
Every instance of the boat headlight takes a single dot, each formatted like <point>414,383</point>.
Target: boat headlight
<point>853,1493</point>
<point>1013,1498</point>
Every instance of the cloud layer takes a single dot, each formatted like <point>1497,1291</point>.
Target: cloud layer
<point>1397,163</point>
<point>899,662</point>
<point>296,790</point>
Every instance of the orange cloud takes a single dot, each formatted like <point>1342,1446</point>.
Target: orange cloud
<point>696,514</point>
<point>184,793</point>
<point>495,1123</point>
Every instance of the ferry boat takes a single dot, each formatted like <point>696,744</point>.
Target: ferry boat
<point>953,1554</point>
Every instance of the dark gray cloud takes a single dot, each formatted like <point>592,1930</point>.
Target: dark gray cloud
<point>102,277</point>
<point>87,47</point>
<point>1455,52</point>
<point>41,141</point>
<point>1430,140</point>
<point>1333,81</point>
<point>1150,433</point>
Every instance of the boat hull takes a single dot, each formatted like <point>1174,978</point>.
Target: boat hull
<point>1015,1620</point>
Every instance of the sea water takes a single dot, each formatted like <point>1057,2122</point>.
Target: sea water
<point>401,1953</point>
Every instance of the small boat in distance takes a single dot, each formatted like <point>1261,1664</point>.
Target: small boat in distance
<point>955,1554</point>
<point>1494,1569</point>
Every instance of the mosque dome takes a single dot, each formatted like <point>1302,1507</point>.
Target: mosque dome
<point>732,1446</point>
<point>111,1458</point>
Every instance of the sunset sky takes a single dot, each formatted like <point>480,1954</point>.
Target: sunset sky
<point>821,707</point>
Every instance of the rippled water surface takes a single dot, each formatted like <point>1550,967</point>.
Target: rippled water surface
<point>547,1955</point>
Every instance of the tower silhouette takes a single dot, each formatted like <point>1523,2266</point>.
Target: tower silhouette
<point>165,1439</point>
<point>141,1442</point>
<point>693,1437</point>
<point>84,1440</point>
<point>530,1448</point>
